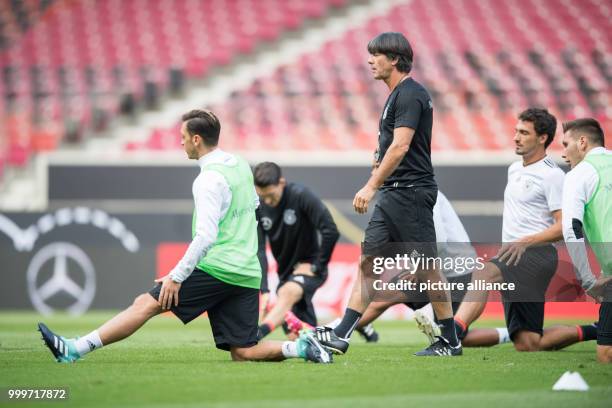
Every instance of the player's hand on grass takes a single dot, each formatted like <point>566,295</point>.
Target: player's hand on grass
<point>362,199</point>
<point>512,252</point>
<point>597,291</point>
<point>168,294</point>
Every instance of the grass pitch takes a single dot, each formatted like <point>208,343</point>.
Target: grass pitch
<point>167,364</point>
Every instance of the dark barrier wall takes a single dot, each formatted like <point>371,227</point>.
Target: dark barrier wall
<point>167,182</point>
<point>81,257</point>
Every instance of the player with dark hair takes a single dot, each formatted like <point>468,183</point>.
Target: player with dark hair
<point>587,213</point>
<point>527,258</point>
<point>219,273</point>
<point>302,235</point>
<point>403,173</point>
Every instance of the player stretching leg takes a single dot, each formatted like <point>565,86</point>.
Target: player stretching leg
<point>292,217</point>
<point>403,173</point>
<point>219,273</point>
<point>587,212</point>
<point>531,222</point>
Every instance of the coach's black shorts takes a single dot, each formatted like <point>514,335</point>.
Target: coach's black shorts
<point>456,296</point>
<point>531,277</point>
<point>304,309</point>
<point>604,328</point>
<point>232,310</point>
<point>403,215</point>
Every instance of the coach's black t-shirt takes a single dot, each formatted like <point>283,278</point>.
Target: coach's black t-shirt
<point>408,105</point>
<point>293,229</point>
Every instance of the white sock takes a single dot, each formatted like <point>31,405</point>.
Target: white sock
<point>504,336</point>
<point>289,349</point>
<point>334,323</point>
<point>88,343</point>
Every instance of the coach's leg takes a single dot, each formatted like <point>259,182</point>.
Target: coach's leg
<point>373,311</point>
<point>440,299</point>
<point>288,295</point>
<point>131,319</point>
<point>358,302</point>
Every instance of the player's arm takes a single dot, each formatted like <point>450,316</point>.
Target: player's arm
<point>402,137</point>
<point>553,233</point>
<point>579,186</point>
<point>261,253</point>
<point>319,216</point>
<point>210,191</point>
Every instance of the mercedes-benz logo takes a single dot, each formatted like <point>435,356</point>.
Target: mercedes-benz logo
<point>60,281</point>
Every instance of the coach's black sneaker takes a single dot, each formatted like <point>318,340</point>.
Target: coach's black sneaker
<point>310,349</point>
<point>368,333</point>
<point>441,347</point>
<point>63,349</point>
<point>328,338</point>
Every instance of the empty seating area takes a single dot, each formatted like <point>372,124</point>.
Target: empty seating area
<point>482,60</point>
<point>72,65</point>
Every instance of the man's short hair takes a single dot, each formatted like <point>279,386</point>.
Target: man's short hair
<point>393,45</point>
<point>203,123</point>
<point>267,174</point>
<point>588,127</point>
<point>544,123</point>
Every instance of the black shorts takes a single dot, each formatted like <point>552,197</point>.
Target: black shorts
<point>604,328</point>
<point>531,277</point>
<point>403,215</point>
<point>456,296</point>
<point>232,310</point>
<point>304,309</point>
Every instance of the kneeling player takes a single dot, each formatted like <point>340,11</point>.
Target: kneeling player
<point>302,235</point>
<point>219,274</point>
<point>531,223</point>
<point>587,209</point>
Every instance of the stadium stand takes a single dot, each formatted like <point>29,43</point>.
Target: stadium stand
<point>71,66</point>
<point>74,65</point>
<point>549,53</point>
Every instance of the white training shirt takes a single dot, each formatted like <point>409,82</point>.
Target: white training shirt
<point>578,189</point>
<point>212,198</point>
<point>449,229</point>
<point>533,192</point>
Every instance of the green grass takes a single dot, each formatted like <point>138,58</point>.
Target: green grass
<point>167,364</point>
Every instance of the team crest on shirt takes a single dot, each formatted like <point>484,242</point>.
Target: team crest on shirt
<point>289,216</point>
<point>266,223</point>
<point>528,184</point>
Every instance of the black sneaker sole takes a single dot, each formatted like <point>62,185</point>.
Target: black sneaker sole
<point>334,350</point>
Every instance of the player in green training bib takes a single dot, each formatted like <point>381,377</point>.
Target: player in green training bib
<point>220,271</point>
<point>587,213</point>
